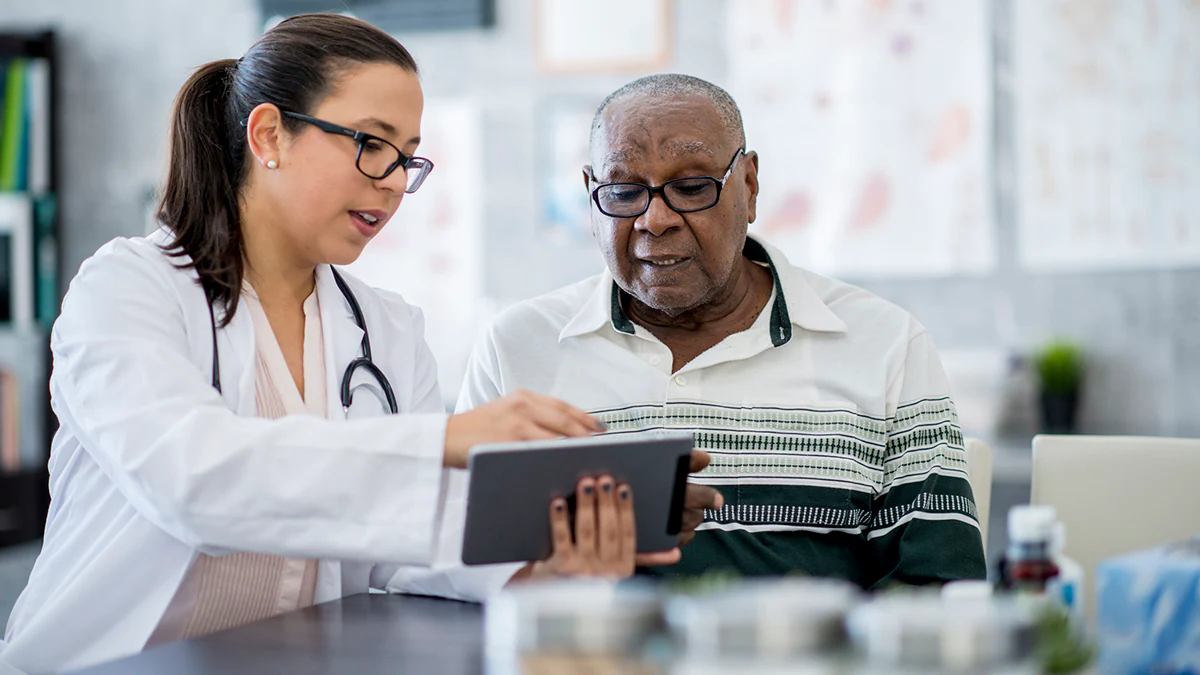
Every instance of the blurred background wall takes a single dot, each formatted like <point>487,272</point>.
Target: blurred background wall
<point>123,60</point>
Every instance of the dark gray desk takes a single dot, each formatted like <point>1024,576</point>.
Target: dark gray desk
<point>360,634</point>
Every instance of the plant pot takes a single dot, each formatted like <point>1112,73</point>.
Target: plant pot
<point>1059,411</point>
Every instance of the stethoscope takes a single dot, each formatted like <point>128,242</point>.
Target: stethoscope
<point>364,362</point>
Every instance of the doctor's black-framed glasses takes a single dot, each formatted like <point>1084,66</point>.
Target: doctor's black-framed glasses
<point>377,157</point>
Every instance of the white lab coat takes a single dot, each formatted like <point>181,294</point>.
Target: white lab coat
<point>152,467</point>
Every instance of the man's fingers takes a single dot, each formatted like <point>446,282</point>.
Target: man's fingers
<point>658,559</point>
<point>691,520</point>
<point>700,460</point>
<point>702,497</point>
<point>585,518</point>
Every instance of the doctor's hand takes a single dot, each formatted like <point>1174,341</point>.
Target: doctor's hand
<point>697,499</point>
<point>605,541</point>
<point>519,416</point>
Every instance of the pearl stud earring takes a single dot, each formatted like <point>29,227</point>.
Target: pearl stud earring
<point>272,164</point>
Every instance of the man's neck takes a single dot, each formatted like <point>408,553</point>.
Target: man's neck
<point>733,310</point>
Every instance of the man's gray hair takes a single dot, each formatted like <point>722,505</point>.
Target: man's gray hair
<point>674,85</point>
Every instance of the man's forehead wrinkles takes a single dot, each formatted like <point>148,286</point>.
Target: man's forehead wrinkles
<point>622,155</point>
<point>677,149</point>
<point>618,147</point>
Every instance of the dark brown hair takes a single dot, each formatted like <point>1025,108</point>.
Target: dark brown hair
<point>294,65</point>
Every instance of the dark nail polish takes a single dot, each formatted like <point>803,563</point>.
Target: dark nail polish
<point>559,507</point>
<point>607,488</point>
<point>625,495</point>
<point>587,490</point>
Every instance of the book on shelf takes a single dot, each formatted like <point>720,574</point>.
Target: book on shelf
<point>10,406</point>
<point>45,263</point>
<point>28,246</point>
<point>25,125</point>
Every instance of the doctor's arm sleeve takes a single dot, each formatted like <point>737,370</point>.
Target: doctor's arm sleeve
<point>125,385</point>
<point>446,576</point>
<point>924,526</point>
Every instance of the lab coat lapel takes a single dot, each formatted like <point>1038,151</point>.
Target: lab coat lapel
<point>235,343</point>
<point>343,337</point>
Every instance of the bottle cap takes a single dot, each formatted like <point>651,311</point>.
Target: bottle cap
<point>1030,524</point>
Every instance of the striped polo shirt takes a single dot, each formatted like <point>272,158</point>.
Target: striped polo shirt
<point>833,436</point>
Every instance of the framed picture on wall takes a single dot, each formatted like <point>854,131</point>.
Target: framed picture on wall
<point>577,37</point>
<point>562,152</point>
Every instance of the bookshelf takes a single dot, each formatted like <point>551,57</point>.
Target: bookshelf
<point>29,268</point>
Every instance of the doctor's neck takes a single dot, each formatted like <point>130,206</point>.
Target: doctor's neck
<point>274,267</point>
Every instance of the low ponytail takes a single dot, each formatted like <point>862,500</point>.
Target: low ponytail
<point>294,65</point>
<point>204,173</point>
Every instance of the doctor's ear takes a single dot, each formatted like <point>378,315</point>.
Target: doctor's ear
<point>264,134</point>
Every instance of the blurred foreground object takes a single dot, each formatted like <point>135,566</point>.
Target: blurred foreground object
<point>1148,610</point>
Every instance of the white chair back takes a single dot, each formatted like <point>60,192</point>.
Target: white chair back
<point>979,468</point>
<point>1117,494</point>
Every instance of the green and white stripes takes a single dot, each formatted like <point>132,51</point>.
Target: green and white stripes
<point>813,468</point>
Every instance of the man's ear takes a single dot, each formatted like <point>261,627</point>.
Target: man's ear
<point>587,177</point>
<point>751,163</point>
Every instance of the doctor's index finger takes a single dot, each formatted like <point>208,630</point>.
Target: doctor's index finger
<point>558,418</point>
<point>589,423</point>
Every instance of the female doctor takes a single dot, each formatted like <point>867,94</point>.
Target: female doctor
<point>226,444</point>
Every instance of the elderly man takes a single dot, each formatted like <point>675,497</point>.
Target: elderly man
<point>825,409</point>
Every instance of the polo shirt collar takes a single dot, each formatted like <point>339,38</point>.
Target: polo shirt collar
<point>796,302</point>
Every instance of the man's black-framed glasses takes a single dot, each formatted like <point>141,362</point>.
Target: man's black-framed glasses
<point>377,158</point>
<point>682,195</point>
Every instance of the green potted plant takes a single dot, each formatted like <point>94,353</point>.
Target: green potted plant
<point>1060,370</point>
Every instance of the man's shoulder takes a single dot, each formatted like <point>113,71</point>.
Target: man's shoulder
<point>546,314</point>
<point>859,308</point>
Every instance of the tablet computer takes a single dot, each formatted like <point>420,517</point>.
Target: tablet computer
<point>512,484</point>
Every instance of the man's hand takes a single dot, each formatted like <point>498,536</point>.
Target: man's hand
<point>697,499</point>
